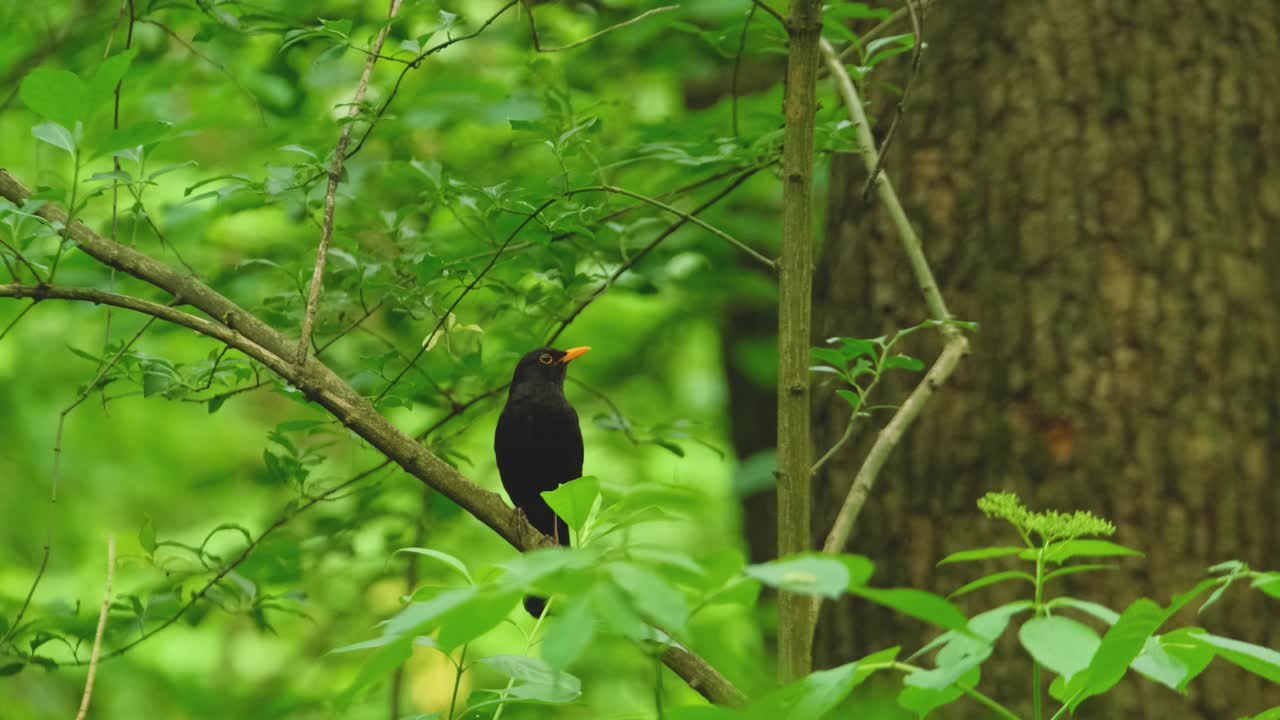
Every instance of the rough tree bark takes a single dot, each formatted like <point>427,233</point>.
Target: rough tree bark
<point>1096,184</point>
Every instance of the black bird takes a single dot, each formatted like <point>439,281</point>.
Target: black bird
<point>538,443</point>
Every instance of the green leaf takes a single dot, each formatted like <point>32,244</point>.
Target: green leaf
<point>419,618</point>
<point>923,701</point>
<point>703,712</point>
<point>58,95</point>
<point>12,668</point>
<point>1120,646</point>
<point>918,604</point>
<point>851,397</point>
<point>980,554</point>
<point>806,574</point>
<point>860,568</point>
<point>534,671</point>
<point>903,362</point>
<point>961,652</point>
<point>467,621</point>
<point>817,694</point>
<point>443,557</point>
<point>1268,583</point>
<point>1272,714</point>
<point>652,596</point>
<point>1173,659</point>
<point>374,668</point>
<point>573,500</point>
<point>147,536</point>
<point>102,87</point>
<point>1084,547</point>
<point>1102,612</point>
<point>993,579</point>
<point>127,138</point>
<point>1073,569</point>
<point>569,634</point>
<point>56,135</point>
<point>1255,658</point>
<point>851,348</point>
<point>1060,644</point>
<point>829,356</point>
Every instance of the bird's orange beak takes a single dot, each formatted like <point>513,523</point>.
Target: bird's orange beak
<point>572,353</point>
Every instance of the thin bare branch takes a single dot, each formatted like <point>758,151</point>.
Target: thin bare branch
<point>330,196</point>
<point>906,233</point>
<point>102,626</point>
<point>769,9</point>
<point>22,259</point>
<point>956,348</point>
<point>684,218</point>
<point>444,317</point>
<point>16,319</point>
<point>413,65</point>
<point>262,116</point>
<point>737,66</point>
<point>917,47</point>
<point>537,43</point>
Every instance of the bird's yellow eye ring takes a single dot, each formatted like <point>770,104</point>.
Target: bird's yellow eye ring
<point>544,358</point>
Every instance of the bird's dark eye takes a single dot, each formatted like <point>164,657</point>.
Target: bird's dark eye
<point>544,358</point>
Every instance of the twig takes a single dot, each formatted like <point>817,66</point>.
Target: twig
<point>604,287</point>
<point>737,65</point>
<point>26,309</point>
<point>537,44</point>
<point>413,65</point>
<point>696,221</point>
<point>102,625</point>
<point>917,47</point>
<point>23,259</point>
<point>262,117</point>
<point>422,349</point>
<point>330,196</point>
<point>906,233</point>
<point>956,348</point>
<point>776,15</point>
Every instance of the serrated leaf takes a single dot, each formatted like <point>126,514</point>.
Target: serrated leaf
<point>1256,659</point>
<point>991,580</point>
<point>918,604</point>
<point>1083,547</point>
<point>980,554</point>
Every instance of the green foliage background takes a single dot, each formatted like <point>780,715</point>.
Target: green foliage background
<point>483,124</point>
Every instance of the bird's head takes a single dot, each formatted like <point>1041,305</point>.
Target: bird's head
<point>544,366</point>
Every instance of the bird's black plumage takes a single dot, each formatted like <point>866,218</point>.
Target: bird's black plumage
<point>538,443</point>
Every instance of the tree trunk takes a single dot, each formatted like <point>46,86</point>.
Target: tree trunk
<point>1097,184</point>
